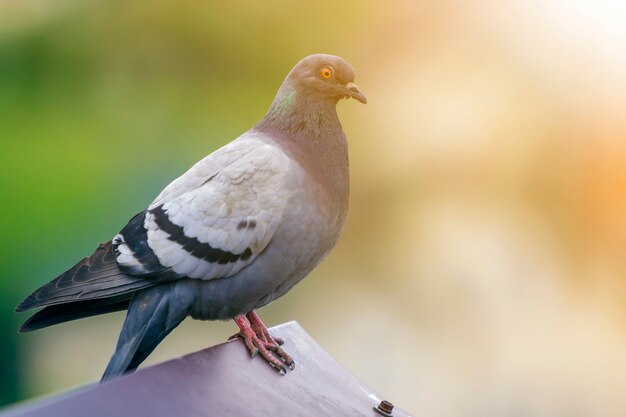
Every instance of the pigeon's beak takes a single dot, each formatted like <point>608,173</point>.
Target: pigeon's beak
<point>355,93</point>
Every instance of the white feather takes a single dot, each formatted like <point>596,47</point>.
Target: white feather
<point>238,182</point>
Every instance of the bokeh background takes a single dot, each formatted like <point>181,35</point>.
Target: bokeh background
<point>482,270</point>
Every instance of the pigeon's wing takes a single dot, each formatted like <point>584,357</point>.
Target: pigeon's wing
<point>96,276</point>
<point>205,169</point>
<point>215,219</point>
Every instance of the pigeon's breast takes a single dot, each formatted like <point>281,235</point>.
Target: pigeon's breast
<point>318,210</point>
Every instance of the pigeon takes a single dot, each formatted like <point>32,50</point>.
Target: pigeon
<point>236,231</point>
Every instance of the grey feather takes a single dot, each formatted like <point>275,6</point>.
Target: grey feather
<point>96,276</point>
<point>152,315</point>
<point>62,313</point>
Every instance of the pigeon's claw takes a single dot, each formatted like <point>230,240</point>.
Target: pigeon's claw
<point>284,356</point>
<point>260,342</point>
<point>261,329</point>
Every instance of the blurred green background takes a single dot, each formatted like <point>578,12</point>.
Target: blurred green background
<point>482,270</point>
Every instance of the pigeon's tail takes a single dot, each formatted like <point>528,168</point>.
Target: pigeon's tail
<point>153,313</point>
<point>95,278</point>
<point>61,313</point>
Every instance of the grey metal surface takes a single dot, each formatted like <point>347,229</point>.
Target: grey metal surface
<point>223,381</point>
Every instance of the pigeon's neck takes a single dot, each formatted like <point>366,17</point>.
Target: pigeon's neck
<point>310,132</point>
<point>301,115</point>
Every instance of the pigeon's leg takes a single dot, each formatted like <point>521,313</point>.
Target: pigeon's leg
<point>256,345</point>
<point>261,329</point>
<point>273,343</point>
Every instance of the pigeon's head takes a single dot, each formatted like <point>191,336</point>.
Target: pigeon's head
<point>325,77</point>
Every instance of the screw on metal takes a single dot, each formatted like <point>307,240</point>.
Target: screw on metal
<point>385,408</point>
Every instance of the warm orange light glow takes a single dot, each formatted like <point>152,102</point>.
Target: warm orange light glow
<point>610,14</point>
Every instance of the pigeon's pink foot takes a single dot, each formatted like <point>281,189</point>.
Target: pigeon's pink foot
<point>259,341</point>
<point>261,329</point>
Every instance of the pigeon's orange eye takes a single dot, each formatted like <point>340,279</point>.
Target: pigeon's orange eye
<point>326,73</point>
